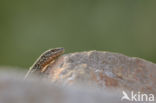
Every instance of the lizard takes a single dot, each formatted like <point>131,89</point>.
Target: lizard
<point>44,59</point>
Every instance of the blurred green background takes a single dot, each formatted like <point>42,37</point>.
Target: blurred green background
<point>29,27</point>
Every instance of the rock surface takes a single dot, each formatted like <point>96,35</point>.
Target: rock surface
<point>13,89</point>
<point>104,70</point>
<point>82,77</point>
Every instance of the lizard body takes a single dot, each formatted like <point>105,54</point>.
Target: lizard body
<point>46,58</point>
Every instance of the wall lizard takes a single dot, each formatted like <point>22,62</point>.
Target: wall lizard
<point>46,58</point>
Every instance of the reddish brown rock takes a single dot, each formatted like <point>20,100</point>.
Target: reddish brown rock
<point>104,69</point>
<point>83,77</point>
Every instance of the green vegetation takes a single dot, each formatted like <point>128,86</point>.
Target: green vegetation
<point>29,27</point>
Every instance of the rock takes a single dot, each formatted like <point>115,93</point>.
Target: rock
<point>104,70</point>
<point>83,77</point>
<point>13,89</point>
